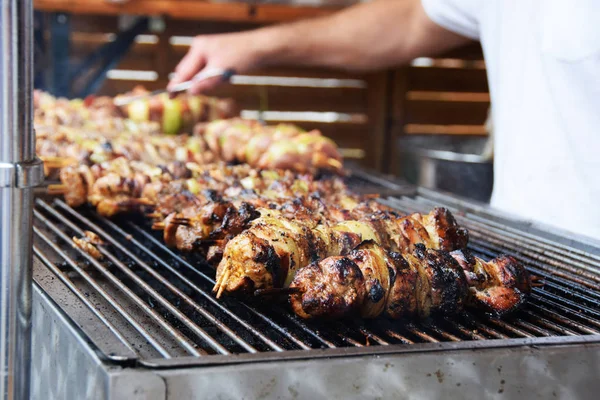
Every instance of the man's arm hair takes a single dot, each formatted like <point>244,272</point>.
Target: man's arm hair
<point>367,36</point>
<point>364,37</point>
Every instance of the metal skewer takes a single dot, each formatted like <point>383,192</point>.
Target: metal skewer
<point>203,75</point>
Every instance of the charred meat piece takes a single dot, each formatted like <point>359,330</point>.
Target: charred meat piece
<point>414,285</point>
<point>498,286</point>
<point>88,244</point>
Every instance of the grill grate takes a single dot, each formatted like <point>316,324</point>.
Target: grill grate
<point>158,303</point>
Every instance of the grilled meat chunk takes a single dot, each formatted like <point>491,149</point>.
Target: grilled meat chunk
<point>499,286</point>
<point>414,285</point>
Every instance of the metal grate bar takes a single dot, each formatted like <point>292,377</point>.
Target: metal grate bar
<point>577,311</point>
<point>399,337</point>
<point>510,328</point>
<point>444,334</point>
<point>170,286</point>
<point>549,313</point>
<point>183,340</point>
<point>276,310</point>
<point>584,271</point>
<point>532,328</point>
<point>103,293</point>
<point>211,281</point>
<point>470,333</point>
<point>550,325</point>
<point>370,335</point>
<point>539,269</point>
<point>64,279</point>
<point>419,332</point>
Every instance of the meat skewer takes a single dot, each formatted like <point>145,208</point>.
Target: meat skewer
<point>370,282</point>
<point>177,186</point>
<point>273,249</point>
<point>193,213</point>
<point>172,115</point>
<point>92,132</point>
<point>280,146</point>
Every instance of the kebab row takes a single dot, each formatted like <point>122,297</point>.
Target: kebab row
<point>337,258</point>
<point>75,132</point>
<point>198,205</point>
<point>171,116</point>
<point>383,264</point>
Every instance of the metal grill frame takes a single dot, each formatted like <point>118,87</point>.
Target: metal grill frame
<point>96,333</point>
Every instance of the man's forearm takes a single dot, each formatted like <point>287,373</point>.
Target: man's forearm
<point>364,37</point>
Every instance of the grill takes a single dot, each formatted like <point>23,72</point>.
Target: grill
<point>148,305</point>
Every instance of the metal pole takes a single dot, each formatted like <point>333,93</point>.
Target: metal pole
<point>20,171</point>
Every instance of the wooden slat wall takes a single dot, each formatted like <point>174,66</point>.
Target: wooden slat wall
<point>344,100</point>
<point>365,114</point>
<point>190,9</point>
<point>445,95</point>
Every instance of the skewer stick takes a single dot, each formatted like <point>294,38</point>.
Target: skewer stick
<point>220,286</point>
<point>158,226</point>
<point>57,162</point>
<point>57,189</point>
<point>536,281</point>
<point>181,221</point>
<point>154,215</point>
<point>334,163</point>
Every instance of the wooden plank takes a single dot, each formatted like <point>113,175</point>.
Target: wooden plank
<point>447,79</point>
<point>448,96</point>
<point>345,135</point>
<point>162,56</point>
<point>377,111</point>
<point>279,98</point>
<point>143,56</point>
<point>446,112</point>
<point>281,13</point>
<point>426,129</point>
<point>185,9</point>
<point>283,98</point>
<point>397,115</point>
<point>193,28</point>
<point>95,23</point>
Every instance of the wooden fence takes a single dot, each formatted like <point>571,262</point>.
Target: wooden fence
<point>363,113</point>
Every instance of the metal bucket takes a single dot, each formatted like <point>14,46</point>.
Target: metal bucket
<point>451,164</point>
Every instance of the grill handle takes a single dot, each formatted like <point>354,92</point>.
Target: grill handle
<point>20,172</point>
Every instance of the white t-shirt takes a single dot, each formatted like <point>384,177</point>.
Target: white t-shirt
<point>543,62</point>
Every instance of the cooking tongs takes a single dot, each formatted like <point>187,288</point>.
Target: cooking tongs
<point>205,74</point>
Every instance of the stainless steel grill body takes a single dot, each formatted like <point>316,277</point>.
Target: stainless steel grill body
<point>148,309</point>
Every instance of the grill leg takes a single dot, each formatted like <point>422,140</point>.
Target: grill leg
<point>19,173</point>
<point>15,292</point>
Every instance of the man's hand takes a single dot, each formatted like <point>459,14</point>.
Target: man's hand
<point>368,36</point>
<point>237,51</point>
